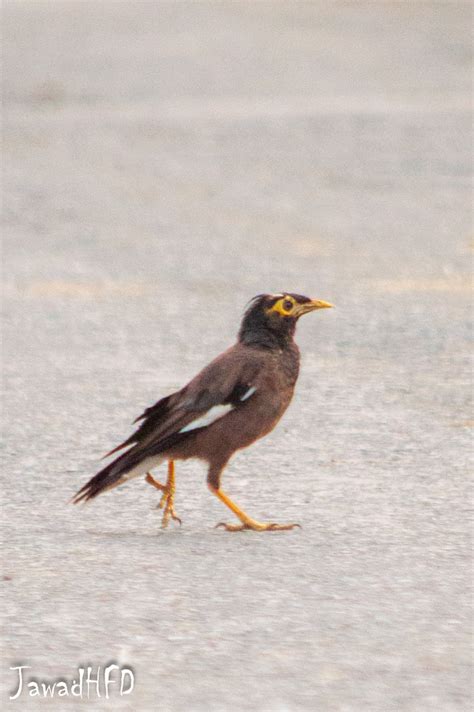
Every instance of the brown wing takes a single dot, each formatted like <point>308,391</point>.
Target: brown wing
<point>225,381</point>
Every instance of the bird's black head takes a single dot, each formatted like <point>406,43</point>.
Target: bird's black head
<point>270,319</point>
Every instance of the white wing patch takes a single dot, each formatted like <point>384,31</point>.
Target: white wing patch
<point>249,393</point>
<point>215,413</point>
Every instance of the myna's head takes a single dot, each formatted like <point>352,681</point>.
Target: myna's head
<point>270,319</point>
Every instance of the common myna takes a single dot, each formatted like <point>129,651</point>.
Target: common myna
<point>238,398</point>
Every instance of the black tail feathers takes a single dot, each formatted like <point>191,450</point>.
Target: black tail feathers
<point>107,478</point>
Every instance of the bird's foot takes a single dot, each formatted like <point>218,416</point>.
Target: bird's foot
<point>166,501</point>
<point>246,521</point>
<point>167,505</point>
<point>252,525</point>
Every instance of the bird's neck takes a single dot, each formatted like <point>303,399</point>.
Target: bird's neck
<point>260,336</point>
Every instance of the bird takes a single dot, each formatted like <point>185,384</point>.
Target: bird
<point>236,399</point>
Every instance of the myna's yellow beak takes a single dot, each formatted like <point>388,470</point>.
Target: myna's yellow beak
<point>312,305</point>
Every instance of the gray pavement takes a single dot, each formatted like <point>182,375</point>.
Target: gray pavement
<point>164,162</point>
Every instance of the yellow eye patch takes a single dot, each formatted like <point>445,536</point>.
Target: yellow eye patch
<point>283,306</point>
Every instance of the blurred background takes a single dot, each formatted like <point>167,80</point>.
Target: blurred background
<point>163,163</point>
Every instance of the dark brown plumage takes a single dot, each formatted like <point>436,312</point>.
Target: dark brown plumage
<point>238,398</point>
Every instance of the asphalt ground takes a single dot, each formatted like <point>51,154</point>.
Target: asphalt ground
<point>163,163</point>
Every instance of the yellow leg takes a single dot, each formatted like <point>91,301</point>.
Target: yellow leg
<point>167,498</point>
<point>247,522</point>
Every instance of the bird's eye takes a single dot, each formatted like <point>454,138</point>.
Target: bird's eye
<point>287,305</point>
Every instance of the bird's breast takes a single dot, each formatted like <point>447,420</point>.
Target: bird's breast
<point>286,366</point>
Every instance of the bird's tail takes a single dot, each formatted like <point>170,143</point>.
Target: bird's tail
<point>123,468</point>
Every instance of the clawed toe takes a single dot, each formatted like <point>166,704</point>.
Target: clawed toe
<point>257,526</point>
<point>283,527</point>
<point>169,513</point>
<point>174,516</point>
<point>231,527</point>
